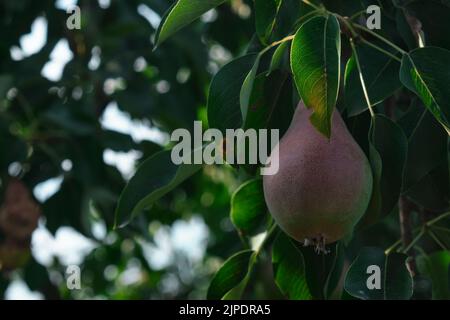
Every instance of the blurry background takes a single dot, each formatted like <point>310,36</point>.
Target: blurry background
<point>79,109</point>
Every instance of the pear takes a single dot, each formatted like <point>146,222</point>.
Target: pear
<point>323,186</point>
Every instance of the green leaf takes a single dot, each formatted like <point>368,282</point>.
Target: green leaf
<point>315,62</point>
<point>157,176</point>
<point>224,110</point>
<point>388,150</point>
<point>289,269</point>
<point>380,74</point>
<point>248,207</point>
<point>265,14</point>
<point>424,71</point>
<point>394,278</point>
<point>230,275</point>
<point>436,266</point>
<point>182,13</point>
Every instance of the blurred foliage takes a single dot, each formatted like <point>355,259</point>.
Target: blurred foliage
<point>44,122</point>
<point>215,70</point>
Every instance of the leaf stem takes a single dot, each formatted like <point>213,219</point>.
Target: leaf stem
<point>273,44</point>
<point>414,241</point>
<point>300,20</point>
<point>391,248</point>
<point>436,228</point>
<point>361,77</point>
<point>370,44</point>
<point>268,236</point>
<point>437,219</point>
<point>357,14</point>
<point>376,35</point>
<point>436,239</point>
<point>309,3</point>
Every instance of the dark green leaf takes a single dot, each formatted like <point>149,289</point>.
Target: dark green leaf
<point>388,149</point>
<point>321,269</point>
<point>336,271</point>
<point>394,278</point>
<point>265,15</point>
<point>424,156</point>
<point>433,190</point>
<point>156,177</point>
<point>268,106</point>
<point>224,110</point>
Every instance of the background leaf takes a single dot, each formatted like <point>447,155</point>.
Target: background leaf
<point>153,179</point>
<point>224,110</point>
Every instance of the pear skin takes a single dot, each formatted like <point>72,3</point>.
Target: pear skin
<point>323,186</point>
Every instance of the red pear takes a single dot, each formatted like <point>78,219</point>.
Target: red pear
<point>323,186</point>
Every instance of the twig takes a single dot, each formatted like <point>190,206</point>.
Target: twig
<point>361,77</point>
<point>437,219</point>
<point>376,35</point>
<point>405,210</point>
<point>416,28</point>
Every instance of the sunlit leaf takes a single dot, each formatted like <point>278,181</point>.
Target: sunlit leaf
<point>315,63</point>
<point>182,13</point>
<point>425,72</point>
<point>230,275</point>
